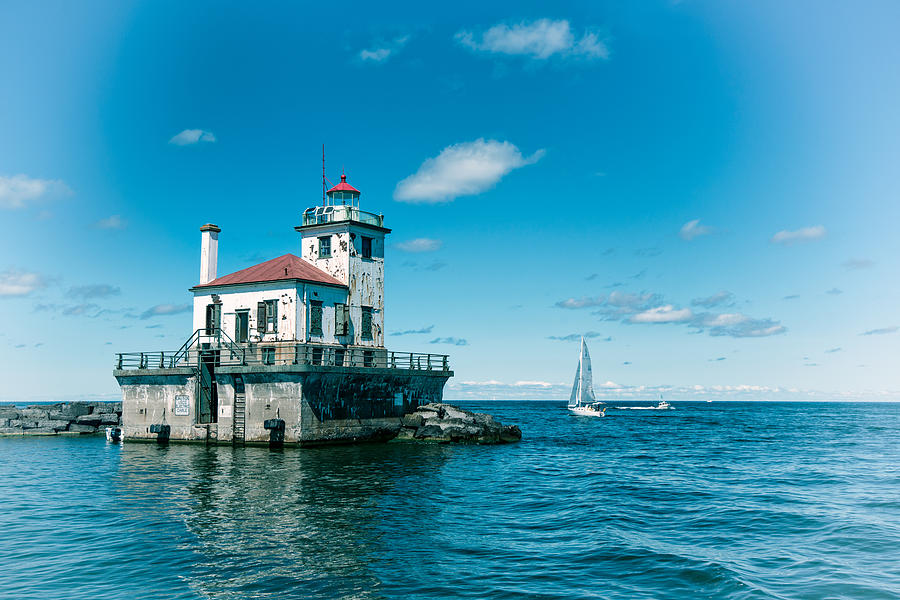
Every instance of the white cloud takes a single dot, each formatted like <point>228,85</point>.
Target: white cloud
<point>382,52</point>
<point>453,341</point>
<point>420,245</point>
<point>717,299</point>
<point>19,283</point>
<point>799,235</point>
<point>165,309</point>
<point>538,39</point>
<point>583,302</point>
<point>96,290</point>
<point>111,222</point>
<point>663,314</point>
<point>462,169</point>
<point>693,229</point>
<point>881,331</point>
<point>192,136</point>
<point>18,190</point>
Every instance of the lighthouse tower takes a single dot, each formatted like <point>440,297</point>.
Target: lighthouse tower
<point>348,244</point>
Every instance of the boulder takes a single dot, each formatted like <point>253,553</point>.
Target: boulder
<point>34,413</point>
<point>511,433</point>
<point>107,407</point>
<point>78,428</point>
<point>40,431</point>
<point>442,423</point>
<point>4,422</point>
<point>93,419</point>
<point>22,423</point>
<point>71,411</point>
<point>11,431</point>
<point>9,412</point>
<point>431,433</point>
<point>413,420</point>
<point>109,419</point>
<point>55,424</point>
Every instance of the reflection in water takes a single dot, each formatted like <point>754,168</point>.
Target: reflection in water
<point>265,522</point>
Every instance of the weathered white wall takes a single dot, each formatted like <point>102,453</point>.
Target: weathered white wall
<point>292,310</point>
<point>364,276</point>
<point>246,298</point>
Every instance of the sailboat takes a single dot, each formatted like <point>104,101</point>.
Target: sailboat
<point>582,401</point>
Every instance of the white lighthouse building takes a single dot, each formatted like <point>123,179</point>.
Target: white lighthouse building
<point>333,295</point>
<point>294,344</point>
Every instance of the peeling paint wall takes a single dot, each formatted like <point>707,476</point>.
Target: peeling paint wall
<point>364,276</point>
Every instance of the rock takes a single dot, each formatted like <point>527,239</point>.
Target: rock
<point>71,411</point>
<point>55,424</point>
<point>107,407</point>
<point>40,431</point>
<point>9,412</point>
<point>431,433</point>
<point>4,422</point>
<point>11,431</point>
<point>414,420</point>
<point>438,422</point>
<point>109,419</point>
<point>406,434</point>
<point>34,413</point>
<point>22,423</point>
<point>78,428</point>
<point>511,433</point>
<point>94,419</point>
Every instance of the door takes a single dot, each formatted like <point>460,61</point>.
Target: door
<point>242,326</point>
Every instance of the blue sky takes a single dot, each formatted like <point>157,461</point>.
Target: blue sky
<point>709,190</point>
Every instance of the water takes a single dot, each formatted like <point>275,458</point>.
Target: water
<point>722,500</point>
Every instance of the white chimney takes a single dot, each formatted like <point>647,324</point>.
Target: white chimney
<point>209,252</point>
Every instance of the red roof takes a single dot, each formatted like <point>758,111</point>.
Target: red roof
<point>343,186</point>
<point>283,268</point>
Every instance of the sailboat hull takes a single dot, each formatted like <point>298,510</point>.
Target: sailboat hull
<point>586,411</point>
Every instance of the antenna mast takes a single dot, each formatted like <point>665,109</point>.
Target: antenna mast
<point>323,174</point>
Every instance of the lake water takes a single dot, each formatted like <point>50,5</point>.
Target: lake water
<point>720,500</point>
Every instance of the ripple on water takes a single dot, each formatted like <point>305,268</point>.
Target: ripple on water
<point>723,500</point>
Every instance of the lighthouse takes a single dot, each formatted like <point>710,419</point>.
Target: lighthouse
<point>348,244</point>
<point>290,350</point>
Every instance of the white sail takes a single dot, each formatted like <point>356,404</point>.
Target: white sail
<point>583,388</point>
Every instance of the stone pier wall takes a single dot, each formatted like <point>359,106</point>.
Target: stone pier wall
<point>64,418</point>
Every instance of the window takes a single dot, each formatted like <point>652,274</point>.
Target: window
<point>267,316</point>
<point>268,355</point>
<point>325,247</point>
<point>366,326</point>
<point>339,357</point>
<point>366,247</point>
<point>213,318</point>
<point>241,326</point>
<point>341,319</point>
<point>315,317</point>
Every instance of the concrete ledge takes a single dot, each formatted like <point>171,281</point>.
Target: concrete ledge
<point>153,372</point>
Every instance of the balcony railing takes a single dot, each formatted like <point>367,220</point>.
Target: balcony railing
<point>328,214</point>
<point>223,352</point>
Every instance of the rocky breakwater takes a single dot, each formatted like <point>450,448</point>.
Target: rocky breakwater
<point>444,423</point>
<point>64,418</point>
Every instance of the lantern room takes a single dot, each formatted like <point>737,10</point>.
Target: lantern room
<point>342,194</point>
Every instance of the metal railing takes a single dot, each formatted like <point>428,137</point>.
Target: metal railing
<point>342,213</point>
<point>222,351</point>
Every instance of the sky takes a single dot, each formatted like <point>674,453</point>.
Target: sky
<point>708,191</point>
